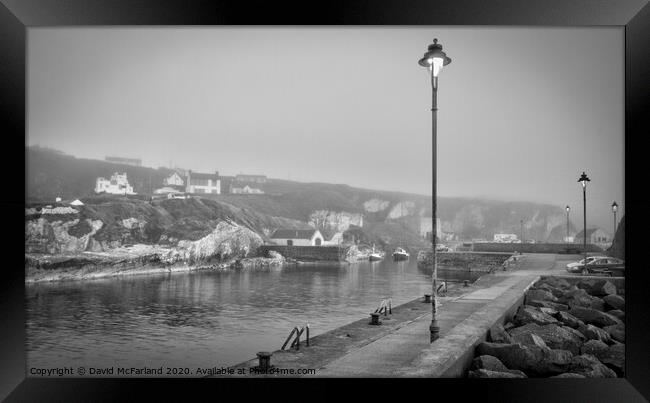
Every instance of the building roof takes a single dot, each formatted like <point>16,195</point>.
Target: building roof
<point>590,231</point>
<point>293,233</point>
<point>198,175</point>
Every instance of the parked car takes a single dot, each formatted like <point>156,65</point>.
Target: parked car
<point>608,266</point>
<point>442,248</point>
<point>576,267</point>
<point>599,265</point>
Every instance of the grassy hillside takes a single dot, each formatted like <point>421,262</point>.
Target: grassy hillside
<point>287,203</point>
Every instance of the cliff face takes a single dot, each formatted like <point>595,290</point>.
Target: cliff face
<point>174,230</point>
<point>618,245</point>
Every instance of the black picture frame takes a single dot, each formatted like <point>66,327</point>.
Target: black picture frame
<point>16,16</point>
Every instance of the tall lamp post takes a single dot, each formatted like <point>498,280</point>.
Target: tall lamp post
<point>567,227</point>
<point>584,179</point>
<point>434,59</point>
<point>614,210</point>
<point>521,222</point>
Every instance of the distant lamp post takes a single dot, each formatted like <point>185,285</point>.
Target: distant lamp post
<point>434,59</point>
<point>521,222</point>
<point>567,226</point>
<point>584,179</point>
<point>614,210</point>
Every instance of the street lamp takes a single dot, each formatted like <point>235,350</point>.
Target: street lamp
<point>584,179</point>
<point>614,209</point>
<point>567,227</point>
<point>434,59</point>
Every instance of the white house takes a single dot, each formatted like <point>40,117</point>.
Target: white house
<point>173,180</point>
<point>246,190</point>
<point>507,238</point>
<point>118,184</point>
<point>165,190</point>
<point>203,183</point>
<point>298,237</point>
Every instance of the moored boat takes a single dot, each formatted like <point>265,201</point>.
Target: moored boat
<point>375,255</point>
<point>400,254</point>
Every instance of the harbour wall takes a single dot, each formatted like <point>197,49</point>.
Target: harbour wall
<point>532,247</point>
<point>306,253</point>
<point>470,261</point>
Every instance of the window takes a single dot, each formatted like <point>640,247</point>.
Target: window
<point>289,242</point>
<point>317,242</point>
<point>199,190</point>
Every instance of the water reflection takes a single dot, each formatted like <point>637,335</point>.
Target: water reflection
<point>203,319</point>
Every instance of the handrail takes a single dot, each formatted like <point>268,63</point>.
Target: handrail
<point>385,306</point>
<point>296,341</point>
<point>442,284</point>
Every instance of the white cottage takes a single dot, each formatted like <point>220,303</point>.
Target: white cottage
<point>203,183</point>
<point>174,180</point>
<point>118,184</point>
<point>298,237</point>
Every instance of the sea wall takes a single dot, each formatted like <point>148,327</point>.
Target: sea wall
<point>472,261</point>
<point>306,253</point>
<point>532,247</point>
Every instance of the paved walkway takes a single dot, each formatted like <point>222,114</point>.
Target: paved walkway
<point>389,354</point>
<point>401,345</point>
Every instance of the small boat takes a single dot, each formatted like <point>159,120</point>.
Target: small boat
<point>400,254</point>
<point>375,255</point>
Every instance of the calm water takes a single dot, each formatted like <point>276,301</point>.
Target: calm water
<point>204,319</point>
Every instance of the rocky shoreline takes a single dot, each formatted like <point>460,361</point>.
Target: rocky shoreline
<point>567,328</point>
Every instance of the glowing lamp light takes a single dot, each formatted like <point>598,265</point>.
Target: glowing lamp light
<point>434,59</point>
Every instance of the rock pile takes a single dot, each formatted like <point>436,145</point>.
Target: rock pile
<point>561,331</point>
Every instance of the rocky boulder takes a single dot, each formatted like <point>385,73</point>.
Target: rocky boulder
<point>529,339</point>
<point>593,333</point>
<point>556,282</point>
<point>597,287</point>
<point>528,314</point>
<point>590,367</point>
<point>581,298</point>
<point>539,295</point>
<point>615,302</point>
<point>594,347</point>
<point>618,314</point>
<point>490,363</point>
<point>616,332</point>
<point>569,320</point>
<point>554,336</point>
<point>568,375</point>
<point>593,316</point>
<point>548,304</point>
<point>534,361</point>
<point>486,373</point>
<point>497,334</point>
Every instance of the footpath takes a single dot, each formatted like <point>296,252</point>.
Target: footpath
<point>400,345</point>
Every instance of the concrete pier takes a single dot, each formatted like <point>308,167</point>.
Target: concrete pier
<point>400,347</point>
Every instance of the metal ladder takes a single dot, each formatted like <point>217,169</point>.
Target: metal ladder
<point>296,342</point>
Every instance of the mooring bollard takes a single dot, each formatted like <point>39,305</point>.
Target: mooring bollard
<point>265,360</point>
<point>427,298</point>
<point>374,319</point>
<point>465,283</point>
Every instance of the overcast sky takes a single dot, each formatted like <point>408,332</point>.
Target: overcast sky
<point>522,111</point>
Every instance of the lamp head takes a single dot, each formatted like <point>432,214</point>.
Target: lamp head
<point>614,207</point>
<point>584,179</point>
<point>568,208</point>
<point>434,58</point>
